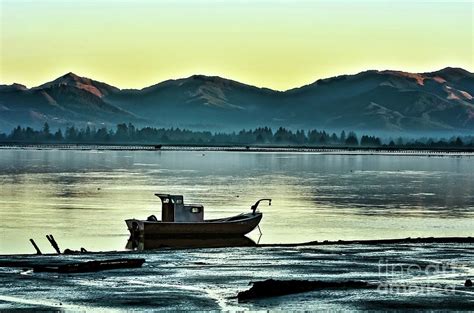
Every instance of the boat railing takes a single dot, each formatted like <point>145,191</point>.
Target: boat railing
<point>255,206</point>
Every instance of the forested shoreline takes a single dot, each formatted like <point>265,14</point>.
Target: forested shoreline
<point>129,134</point>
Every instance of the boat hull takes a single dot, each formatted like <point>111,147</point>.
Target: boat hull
<point>235,226</point>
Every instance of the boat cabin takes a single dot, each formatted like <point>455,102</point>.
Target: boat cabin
<point>173,209</point>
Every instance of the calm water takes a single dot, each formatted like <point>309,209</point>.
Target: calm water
<point>82,197</point>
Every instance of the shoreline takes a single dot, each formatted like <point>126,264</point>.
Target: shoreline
<point>231,148</point>
<point>368,242</point>
<point>408,240</point>
<point>421,276</point>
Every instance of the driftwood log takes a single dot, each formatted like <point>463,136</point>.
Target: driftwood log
<point>272,288</point>
<point>90,266</point>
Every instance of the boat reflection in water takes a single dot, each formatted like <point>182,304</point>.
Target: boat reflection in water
<point>141,243</point>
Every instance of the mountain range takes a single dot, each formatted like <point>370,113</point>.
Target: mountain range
<point>378,101</point>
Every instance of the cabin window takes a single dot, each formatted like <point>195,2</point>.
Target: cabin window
<point>179,201</point>
<point>166,200</point>
<point>195,210</point>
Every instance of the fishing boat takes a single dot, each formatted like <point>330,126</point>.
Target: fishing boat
<point>180,220</point>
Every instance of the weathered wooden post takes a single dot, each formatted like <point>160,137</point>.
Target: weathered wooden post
<point>53,243</point>
<point>38,251</point>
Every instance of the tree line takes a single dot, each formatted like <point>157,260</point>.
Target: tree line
<point>129,134</point>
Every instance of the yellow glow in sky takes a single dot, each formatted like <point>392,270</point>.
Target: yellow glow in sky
<point>276,44</point>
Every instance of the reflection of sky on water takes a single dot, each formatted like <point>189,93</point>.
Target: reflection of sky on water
<point>82,197</point>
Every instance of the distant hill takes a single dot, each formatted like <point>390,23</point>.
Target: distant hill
<point>382,101</point>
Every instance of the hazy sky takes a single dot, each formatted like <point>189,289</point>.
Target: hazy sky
<point>276,44</point>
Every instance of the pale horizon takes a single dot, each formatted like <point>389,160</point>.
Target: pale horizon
<point>267,43</point>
